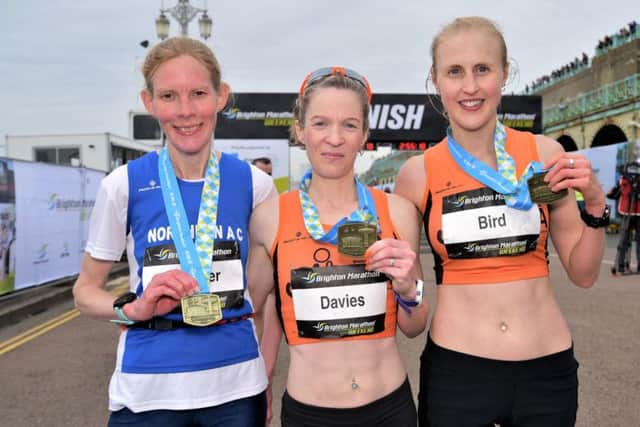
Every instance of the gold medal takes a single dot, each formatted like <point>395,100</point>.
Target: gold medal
<point>201,309</point>
<point>355,237</point>
<point>540,191</point>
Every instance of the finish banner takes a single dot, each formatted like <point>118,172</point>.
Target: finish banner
<point>394,118</point>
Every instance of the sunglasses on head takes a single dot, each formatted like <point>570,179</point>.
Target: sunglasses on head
<point>335,71</point>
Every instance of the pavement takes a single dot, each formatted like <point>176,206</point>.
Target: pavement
<point>45,381</point>
<point>22,304</point>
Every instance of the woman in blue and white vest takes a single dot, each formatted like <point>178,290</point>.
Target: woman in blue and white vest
<point>188,354</point>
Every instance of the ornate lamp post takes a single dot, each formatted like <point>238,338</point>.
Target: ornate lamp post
<point>184,13</point>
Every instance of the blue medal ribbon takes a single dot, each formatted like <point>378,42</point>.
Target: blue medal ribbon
<point>192,260</point>
<point>504,181</point>
<point>366,211</point>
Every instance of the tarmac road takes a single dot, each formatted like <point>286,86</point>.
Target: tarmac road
<point>57,373</point>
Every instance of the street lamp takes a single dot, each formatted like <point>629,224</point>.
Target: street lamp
<point>184,13</point>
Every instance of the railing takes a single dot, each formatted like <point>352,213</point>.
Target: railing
<point>614,41</point>
<point>551,80</point>
<point>604,98</point>
<point>617,40</point>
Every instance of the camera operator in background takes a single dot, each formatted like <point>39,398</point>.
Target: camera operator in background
<point>627,191</point>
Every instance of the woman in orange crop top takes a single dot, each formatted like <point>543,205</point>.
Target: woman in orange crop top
<point>338,307</point>
<point>499,350</point>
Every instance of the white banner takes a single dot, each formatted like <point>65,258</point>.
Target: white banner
<point>276,150</point>
<point>52,207</point>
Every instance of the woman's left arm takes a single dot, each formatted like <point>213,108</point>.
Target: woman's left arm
<point>579,246</point>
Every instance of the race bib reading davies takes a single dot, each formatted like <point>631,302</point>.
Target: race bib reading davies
<point>338,301</point>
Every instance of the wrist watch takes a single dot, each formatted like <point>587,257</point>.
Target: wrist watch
<point>119,303</point>
<point>595,222</point>
<point>408,305</point>
<point>419,291</point>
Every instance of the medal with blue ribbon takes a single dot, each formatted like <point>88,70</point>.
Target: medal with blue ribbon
<point>504,180</point>
<point>353,234</point>
<point>195,258</point>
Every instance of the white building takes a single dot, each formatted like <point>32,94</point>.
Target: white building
<point>102,151</point>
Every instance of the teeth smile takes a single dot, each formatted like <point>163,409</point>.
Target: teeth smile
<point>187,129</point>
<point>473,103</point>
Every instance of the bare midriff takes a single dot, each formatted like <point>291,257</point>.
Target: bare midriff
<point>344,374</point>
<point>511,321</point>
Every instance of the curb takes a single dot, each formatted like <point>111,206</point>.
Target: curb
<point>22,304</point>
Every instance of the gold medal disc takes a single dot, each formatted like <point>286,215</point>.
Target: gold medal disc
<point>201,309</point>
<point>354,238</point>
<point>540,191</point>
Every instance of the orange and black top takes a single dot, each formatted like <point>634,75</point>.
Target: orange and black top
<point>322,294</point>
<point>474,236</point>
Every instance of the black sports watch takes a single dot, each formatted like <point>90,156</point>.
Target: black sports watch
<point>596,222</point>
<point>120,302</point>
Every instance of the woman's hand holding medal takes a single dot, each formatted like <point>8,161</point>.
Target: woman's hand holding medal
<point>574,171</point>
<point>163,294</point>
<point>397,260</point>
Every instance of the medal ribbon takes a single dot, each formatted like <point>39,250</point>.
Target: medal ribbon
<point>504,181</point>
<point>366,211</point>
<point>195,258</point>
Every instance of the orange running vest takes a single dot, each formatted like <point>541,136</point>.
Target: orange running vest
<point>336,298</point>
<point>475,238</point>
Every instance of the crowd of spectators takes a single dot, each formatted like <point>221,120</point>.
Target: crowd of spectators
<point>624,35</point>
<point>566,70</point>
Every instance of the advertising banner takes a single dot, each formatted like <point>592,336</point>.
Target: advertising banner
<point>273,151</point>
<point>7,226</point>
<point>50,223</point>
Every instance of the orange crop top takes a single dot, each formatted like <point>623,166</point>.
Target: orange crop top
<point>475,238</point>
<point>322,294</point>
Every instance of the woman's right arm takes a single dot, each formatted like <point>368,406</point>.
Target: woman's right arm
<point>105,244</point>
<point>89,292</point>
<point>412,180</point>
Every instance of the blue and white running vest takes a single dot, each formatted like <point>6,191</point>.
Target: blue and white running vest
<point>189,349</point>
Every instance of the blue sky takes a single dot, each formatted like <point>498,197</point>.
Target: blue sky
<point>69,66</point>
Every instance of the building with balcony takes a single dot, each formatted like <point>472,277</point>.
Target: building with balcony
<point>595,101</point>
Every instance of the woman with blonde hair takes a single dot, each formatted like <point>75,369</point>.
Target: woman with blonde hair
<point>499,350</point>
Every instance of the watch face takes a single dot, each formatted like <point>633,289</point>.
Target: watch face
<point>124,299</point>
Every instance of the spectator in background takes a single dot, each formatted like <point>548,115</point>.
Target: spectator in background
<point>629,208</point>
<point>264,164</point>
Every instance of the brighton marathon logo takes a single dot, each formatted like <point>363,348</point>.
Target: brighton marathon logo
<point>269,118</point>
<point>165,254</point>
<point>520,121</point>
<point>315,277</point>
<point>56,203</point>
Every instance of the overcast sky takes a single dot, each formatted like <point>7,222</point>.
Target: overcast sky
<point>71,66</point>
